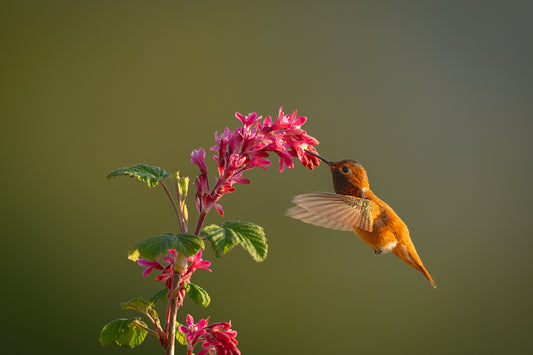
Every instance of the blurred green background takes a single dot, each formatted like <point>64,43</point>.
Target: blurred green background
<point>435,98</point>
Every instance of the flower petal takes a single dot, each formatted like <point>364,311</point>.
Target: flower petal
<point>219,209</point>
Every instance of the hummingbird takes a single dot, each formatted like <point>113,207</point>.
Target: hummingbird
<point>355,207</point>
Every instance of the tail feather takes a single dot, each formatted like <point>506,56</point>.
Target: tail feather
<point>412,258</point>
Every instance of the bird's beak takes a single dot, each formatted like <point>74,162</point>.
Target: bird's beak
<point>319,157</point>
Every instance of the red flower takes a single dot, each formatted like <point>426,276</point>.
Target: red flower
<point>167,271</point>
<point>217,338</point>
<point>198,263</point>
<point>193,330</point>
<point>248,147</point>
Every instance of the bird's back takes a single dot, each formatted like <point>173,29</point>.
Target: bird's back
<point>390,233</point>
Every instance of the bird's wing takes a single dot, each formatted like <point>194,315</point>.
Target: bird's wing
<point>313,218</point>
<point>333,210</point>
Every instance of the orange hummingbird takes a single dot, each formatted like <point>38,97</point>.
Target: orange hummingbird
<point>355,207</point>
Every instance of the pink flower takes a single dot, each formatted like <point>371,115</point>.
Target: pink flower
<point>201,182</point>
<point>248,120</point>
<point>248,147</point>
<point>193,330</point>
<point>166,273</point>
<point>150,265</point>
<point>198,263</point>
<point>217,338</point>
<point>169,267</point>
<point>198,158</point>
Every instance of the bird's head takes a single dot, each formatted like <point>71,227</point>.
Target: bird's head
<point>348,175</point>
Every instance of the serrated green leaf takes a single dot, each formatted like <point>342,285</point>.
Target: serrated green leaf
<point>123,332</point>
<point>144,173</point>
<point>138,304</point>
<point>197,294</point>
<point>160,295</point>
<point>222,240</point>
<point>141,305</point>
<point>251,237</point>
<point>180,337</point>
<point>151,248</point>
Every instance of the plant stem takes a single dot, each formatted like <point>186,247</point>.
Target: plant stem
<point>156,323</point>
<point>171,324</point>
<point>137,323</point>
<point>201,219</point>
<point>182,207</point>
<point>176,210</point>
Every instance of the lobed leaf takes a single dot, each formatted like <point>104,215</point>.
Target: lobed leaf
<point>144,173</point>
<point>197,294</point>
<point>180,336</point>
<point>250,236</point>
<point>222,240</point>
<point>123,332</point>
<point>141,305</point>
<point>151,248</point>
<point>138,304</point>
<point>160,295</point>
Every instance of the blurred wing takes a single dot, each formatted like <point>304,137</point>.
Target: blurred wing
<point>312,218</point>
<point>333,211</point>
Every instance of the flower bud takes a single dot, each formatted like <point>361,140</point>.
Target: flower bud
<point>181,263</point>
<point>185,213</point>
<point>184,185</point>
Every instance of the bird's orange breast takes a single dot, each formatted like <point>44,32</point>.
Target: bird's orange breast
<point>386,226</point>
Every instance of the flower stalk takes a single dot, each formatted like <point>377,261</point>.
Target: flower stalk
<point>173,312</point>
<point>248,147</point>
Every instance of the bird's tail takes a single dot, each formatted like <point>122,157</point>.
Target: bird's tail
<point>410,256</point>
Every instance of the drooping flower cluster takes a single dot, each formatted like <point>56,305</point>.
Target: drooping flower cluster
<point>217,338</point>
<point>248,147</point>
<point>172,262</point>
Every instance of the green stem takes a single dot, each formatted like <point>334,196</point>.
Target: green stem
<point>155,322</point>
<point>176,210</point>
<point>181,203</point>
<point>140,325</point>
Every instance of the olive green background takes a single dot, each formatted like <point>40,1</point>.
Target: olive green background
<point>434,98</point>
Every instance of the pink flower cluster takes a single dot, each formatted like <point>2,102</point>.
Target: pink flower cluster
<point>217,338</point>
<point>248,147</point>
<point>167,271</point>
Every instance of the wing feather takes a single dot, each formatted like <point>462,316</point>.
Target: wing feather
<point>333,210</point>
<point>311,218</point>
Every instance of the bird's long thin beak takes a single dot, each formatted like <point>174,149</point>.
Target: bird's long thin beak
<point>319,157</point>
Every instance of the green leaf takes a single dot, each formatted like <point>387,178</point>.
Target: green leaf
<point>160,295</point>
<point>151,248</point>
<point>144,173</point>
<point>197,294</point>
<point>138,304</point>
<point>141,305</point>
<point>123,332</point>
<point>222,240</point>
<point>250,236</point>
<point>180,337</point>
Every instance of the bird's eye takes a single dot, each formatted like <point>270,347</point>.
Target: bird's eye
<point>345,169</point>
